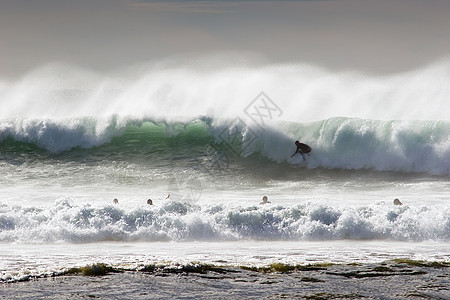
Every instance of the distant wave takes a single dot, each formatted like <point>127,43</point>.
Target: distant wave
<point>66,221</point>
<point>341,143</point>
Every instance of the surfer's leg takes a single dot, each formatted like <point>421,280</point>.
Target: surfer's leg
<point>301,152</point>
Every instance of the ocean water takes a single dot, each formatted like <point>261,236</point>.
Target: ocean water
<point>205,143</point>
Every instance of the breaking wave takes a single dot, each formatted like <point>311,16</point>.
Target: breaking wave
<point>351,120</point>
<point>342,143</point>
<point>66,221</point>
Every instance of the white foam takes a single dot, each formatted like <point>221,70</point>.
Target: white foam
<point>66,221</point>
<point>60,135</point>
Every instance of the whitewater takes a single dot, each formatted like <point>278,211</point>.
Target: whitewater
<point>206,140</point>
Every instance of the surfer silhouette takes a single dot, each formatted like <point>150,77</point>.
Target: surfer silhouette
<point>301,148</point>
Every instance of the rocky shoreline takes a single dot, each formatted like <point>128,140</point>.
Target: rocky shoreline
<point>396,279</point>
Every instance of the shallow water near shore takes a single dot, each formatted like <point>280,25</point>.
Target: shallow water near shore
<point>25,261</point>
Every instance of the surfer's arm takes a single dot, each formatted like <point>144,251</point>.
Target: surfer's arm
<point>299,151</point>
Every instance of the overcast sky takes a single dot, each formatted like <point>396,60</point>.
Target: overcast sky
<point>382,36</point>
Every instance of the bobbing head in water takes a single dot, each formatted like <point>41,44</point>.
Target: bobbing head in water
<point>397,202</point>
<point>265,200</point>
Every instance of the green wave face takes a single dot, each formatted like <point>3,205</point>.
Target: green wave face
<point>337,143</point>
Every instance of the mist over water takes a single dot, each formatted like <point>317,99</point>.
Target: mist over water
<point>170,91</point>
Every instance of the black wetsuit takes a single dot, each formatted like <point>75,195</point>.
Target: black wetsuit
<point>303,148</point>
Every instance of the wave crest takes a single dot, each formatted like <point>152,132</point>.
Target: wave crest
<point>338,143</point>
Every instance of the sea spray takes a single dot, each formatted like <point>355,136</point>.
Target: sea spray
<point>183,91</point>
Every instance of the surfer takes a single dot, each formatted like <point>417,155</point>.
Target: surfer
<point>301,148</point>
<point>265,200</point>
